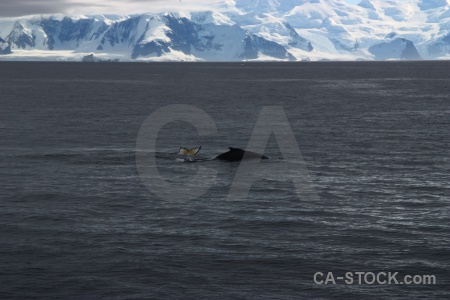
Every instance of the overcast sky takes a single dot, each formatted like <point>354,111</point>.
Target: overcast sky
<point>15,8</point>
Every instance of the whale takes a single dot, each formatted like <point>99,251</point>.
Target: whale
<point>187,151</point>
<point>236,154</point>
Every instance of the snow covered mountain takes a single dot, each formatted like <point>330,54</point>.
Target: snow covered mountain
<point>399,47</point>
<point>242,30</point>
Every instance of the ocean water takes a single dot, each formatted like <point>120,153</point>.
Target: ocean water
<point>78,222</point>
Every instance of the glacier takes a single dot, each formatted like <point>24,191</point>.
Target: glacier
<point>240,30</point>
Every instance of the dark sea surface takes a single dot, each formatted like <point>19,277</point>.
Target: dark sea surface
<point>77,221</point>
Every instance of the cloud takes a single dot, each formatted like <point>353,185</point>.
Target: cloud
<point>17,8</point>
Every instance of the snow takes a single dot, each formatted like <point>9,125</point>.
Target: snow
<point>221,50</point>
<point>173,55</point>
<point>210,17</point>
<point>156,31</point>
<point>336,29</point>
<point>263,57</point>
<point>37,55</point>
<point>270,28</point>
<point>56,55</point>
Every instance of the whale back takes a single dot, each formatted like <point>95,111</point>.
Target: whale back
<point>236,154</point>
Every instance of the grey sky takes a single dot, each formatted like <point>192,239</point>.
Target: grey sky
<point>16,8</point>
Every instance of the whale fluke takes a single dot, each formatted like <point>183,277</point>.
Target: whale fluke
<point>236,154</point>
<point>186,151</point>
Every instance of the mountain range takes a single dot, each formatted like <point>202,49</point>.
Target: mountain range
<point>241,30</point>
